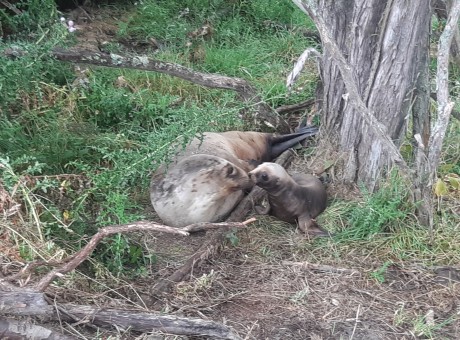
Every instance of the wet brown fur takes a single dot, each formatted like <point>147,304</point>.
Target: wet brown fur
<point>298,198</point>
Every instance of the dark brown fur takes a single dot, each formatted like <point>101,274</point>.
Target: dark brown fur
<point>298,198</point>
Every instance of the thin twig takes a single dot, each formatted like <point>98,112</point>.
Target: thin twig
<point>207,226</point>
<point>356,322</point>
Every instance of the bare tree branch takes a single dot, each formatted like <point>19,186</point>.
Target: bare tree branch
<point>75,260</point>
<point>442,77</point>
<point>208,226</point>
<point>299,65</point>
<point>245,90</point>
<point>442,8</point>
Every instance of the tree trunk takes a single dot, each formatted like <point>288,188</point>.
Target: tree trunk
<point>385,44</point>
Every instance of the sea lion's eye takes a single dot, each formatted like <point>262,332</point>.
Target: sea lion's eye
<point>264,177</point>
<point>230,170</point>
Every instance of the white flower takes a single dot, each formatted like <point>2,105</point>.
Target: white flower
<point>72,29</point>
<point>62,19</point>
<point>70,23</point>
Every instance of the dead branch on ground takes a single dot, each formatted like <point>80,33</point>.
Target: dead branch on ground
<point>22,303</point>
<point>245,90</point>
<point>295,107</point>
<point>208,226</point>
<point>73,261</point>
<point>214,244</point>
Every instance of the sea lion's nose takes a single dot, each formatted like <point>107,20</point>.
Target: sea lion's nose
<point>253,177</point>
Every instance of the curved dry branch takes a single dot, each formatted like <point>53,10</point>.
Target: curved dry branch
<point>75,260</point>
<point>245,90</point>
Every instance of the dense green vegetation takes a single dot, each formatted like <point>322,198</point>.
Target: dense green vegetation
<point>111,135</point>
<point>106,136</point>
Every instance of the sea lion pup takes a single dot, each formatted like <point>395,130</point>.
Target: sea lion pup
<point>206,180</point>
<point>297,198</point>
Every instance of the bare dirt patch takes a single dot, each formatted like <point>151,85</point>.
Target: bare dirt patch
<point>259,288</point>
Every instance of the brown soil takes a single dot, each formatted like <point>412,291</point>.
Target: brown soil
<point>259,288</point>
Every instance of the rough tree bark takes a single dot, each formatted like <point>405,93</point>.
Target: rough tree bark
<point>375,77</point>
<point>385,45</point>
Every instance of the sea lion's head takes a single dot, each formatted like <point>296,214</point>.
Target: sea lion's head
<point>268,176</point>
<point>229,176</point>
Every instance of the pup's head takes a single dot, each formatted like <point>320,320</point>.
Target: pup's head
<point>268,175</point>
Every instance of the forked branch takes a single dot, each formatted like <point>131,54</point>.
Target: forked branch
<point>76,259</point>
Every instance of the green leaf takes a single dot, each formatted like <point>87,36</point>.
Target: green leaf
<point>440,188</point>
<point>454,180</point>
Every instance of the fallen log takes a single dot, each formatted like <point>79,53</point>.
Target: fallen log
<point>21,303</point>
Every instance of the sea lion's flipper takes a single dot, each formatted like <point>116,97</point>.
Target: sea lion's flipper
<point>310,227</point>
<point>308,129</point>
<point>282,143</point>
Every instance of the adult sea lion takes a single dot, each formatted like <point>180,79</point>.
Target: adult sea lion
<point>298,198</point>
<point>205,181</point>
